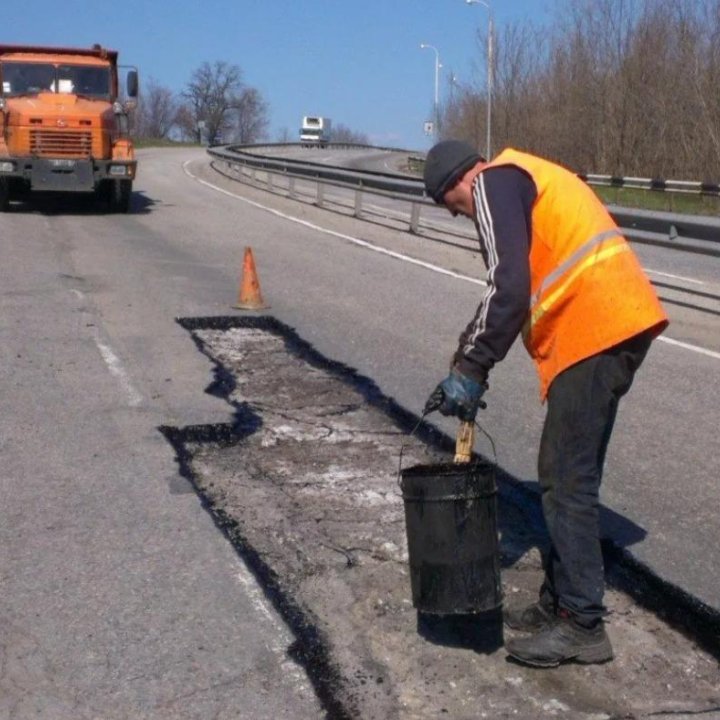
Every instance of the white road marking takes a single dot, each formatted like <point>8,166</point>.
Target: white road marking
<point>688,346</point>
<point>116,368</point>
<point>674,277</point>
<point>282,637</point>
<point>113,363</point>
<point>400,256</point>
<point>256,597</point>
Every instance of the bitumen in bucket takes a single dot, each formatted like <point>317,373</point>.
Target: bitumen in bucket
<point>451,524</point>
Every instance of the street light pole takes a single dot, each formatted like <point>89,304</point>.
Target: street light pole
<point>437,84</point>
<point>490,73</point>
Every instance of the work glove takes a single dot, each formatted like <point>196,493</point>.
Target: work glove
<point>457,395</point>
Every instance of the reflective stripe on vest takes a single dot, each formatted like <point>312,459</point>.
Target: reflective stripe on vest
<point>587,255</point>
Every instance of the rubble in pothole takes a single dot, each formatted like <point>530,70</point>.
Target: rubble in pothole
<point>311,493</point>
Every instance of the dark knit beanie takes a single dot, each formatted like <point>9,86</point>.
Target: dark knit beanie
<point>445,164</point>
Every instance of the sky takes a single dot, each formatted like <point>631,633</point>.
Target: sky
<point>359,63</point>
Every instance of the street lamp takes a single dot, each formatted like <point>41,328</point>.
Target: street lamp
<point>437,82</point>
<point>489,69</point>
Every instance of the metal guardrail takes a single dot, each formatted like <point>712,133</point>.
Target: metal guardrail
<point>692,233</point>
<point>675,186</point>
<point>390,185</point>
<point>687,233</point>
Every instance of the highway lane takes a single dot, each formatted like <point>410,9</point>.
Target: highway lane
<point>93,363</point>
<point>119,598</point>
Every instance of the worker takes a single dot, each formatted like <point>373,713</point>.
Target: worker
<point>560,273</point>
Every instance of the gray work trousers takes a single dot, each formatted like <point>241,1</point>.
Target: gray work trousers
<point>581,407</point>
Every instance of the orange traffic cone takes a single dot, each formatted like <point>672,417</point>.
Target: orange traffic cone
<point>249,297</point>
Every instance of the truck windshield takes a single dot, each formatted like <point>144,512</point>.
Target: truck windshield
<point>32,78</point>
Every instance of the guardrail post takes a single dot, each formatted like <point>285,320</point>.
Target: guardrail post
<point>414,218</point>
<point>320,194</point>
<point>269,181</point>
<point>291,187</point>
<point>358,203</point>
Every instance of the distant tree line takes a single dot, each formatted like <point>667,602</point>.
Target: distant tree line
<point>623,87</point>
<point>342,134</point>
<point>339,133</point>
<point>215,107</point>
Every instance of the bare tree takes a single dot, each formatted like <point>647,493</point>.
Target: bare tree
<point>249,117</point>
<point>219,105</point>
<point>706,86</point>
<point>156,111</point>
<point>186,123</point>
<point>342,134</point>
<point>514,103</point>
<point>612,86</point>
<point>464,116</point>
<point>213,91</point>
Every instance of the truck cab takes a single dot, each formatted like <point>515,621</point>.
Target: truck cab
<point>63,127</point>
<point>315,131</point>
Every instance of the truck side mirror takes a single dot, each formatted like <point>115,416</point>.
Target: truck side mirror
<point>132,83</point>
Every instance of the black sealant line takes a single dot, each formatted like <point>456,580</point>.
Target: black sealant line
<point>310,650</point>
<point>624,572</point>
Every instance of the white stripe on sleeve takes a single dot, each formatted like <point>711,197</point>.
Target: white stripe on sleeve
<point>485,223</point>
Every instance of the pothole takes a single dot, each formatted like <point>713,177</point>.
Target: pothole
<point>305,484</point>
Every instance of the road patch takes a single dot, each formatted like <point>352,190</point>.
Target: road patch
<point>304,483</point>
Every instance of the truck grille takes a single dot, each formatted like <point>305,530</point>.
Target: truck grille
<point>62,143</point>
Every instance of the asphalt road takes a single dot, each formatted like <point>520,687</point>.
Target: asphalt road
<point>118,596</point>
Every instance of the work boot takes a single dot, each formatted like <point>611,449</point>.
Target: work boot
<point>529,618</point>
<point>563,640</point>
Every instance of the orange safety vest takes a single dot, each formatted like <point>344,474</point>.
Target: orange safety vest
<point>588,291</point>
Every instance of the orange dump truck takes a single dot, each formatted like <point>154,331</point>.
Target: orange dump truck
<point>63,127</point>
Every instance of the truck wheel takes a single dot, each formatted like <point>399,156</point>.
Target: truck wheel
<point>120,192</point>
<point>4,194</point>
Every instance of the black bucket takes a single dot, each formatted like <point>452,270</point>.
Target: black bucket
<point>451,523</point>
